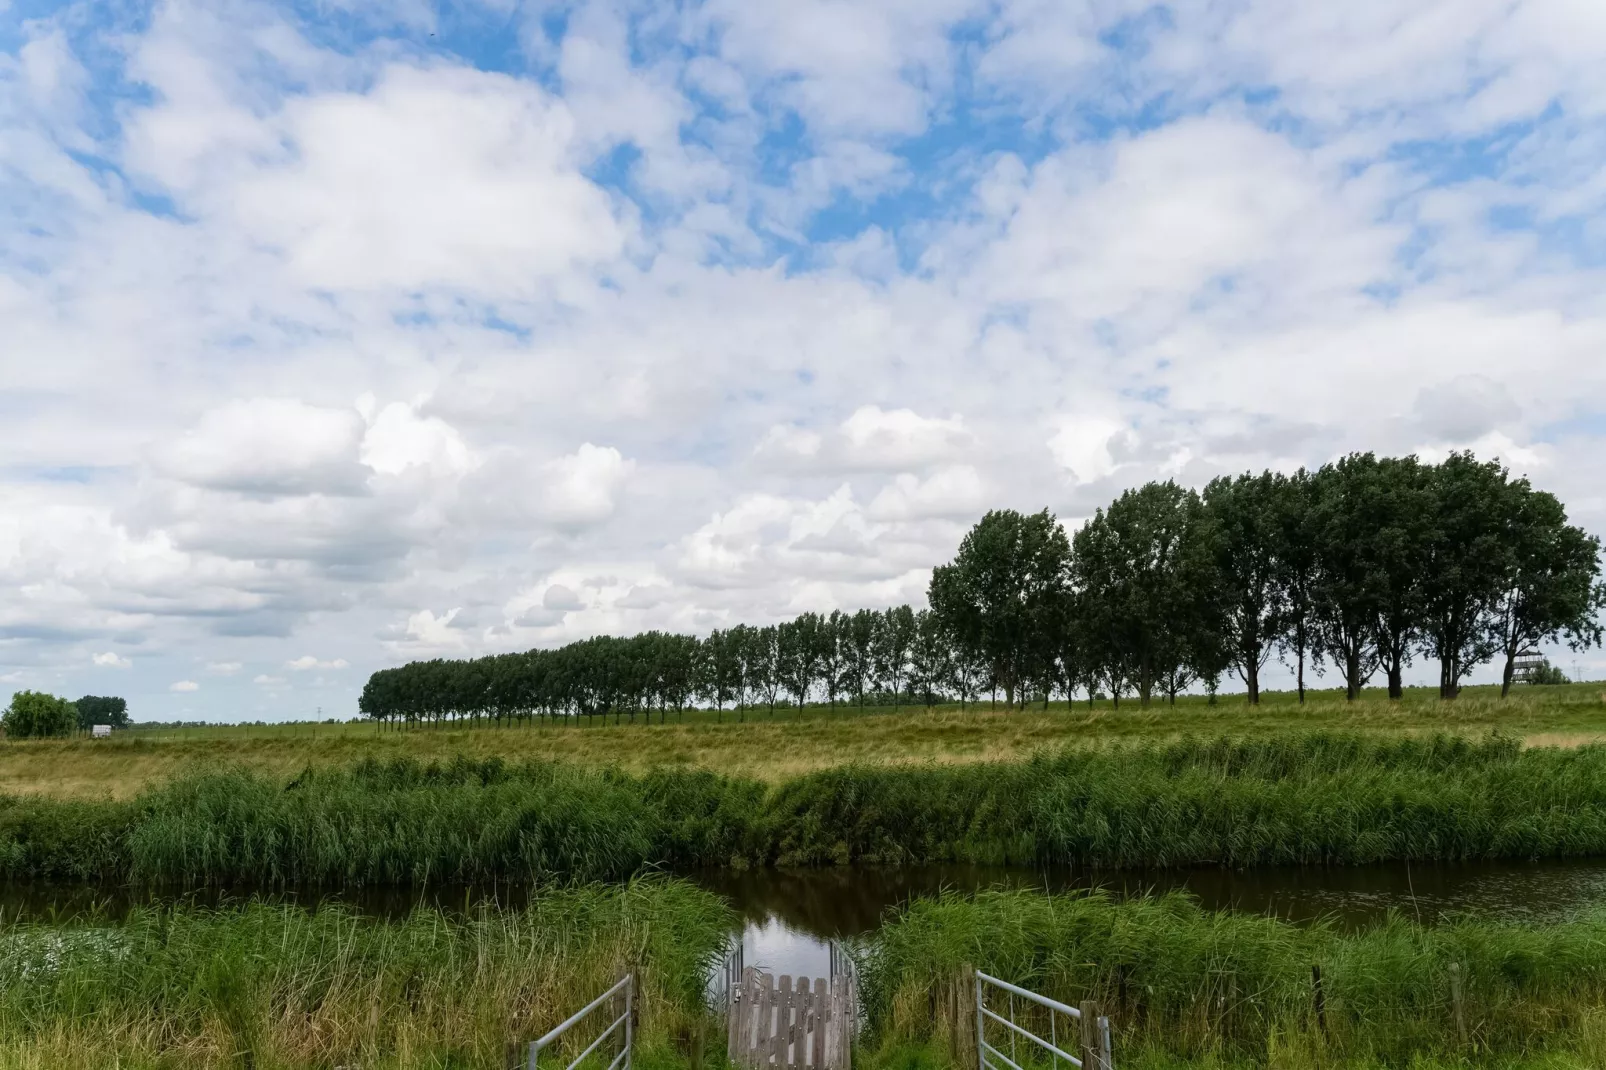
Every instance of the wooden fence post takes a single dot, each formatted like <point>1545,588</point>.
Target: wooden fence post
<point>1319,998</point>
<point>1092,1043</point>
<point>1456,1002</point>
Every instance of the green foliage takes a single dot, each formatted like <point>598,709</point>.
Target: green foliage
<point>1302,799</point>
<point>99,709</point>
<point>33,714</point>
<point>1193,984</point>
<point>1003,599</point>
<point>291,987</point>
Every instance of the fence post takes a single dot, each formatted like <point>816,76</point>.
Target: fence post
<point>1319,998</point>
<point>630,1016</point>
<point>1456,1002</point>
<point>981,1055</point>
<point>1092,1045</point>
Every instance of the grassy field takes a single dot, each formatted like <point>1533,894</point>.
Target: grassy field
<point>791,744</point>
<point>1292,799</point>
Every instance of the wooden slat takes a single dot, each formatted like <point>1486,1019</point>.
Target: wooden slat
<point>800,1024</point>
<point>783,1010</point>
<point>766,1013</point>
<point>822,995</point>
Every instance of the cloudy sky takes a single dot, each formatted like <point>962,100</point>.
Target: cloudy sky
<point>342,333</point>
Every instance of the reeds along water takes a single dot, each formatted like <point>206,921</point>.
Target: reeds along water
<point>1307,799</point>
<point>1182,983</point>
<point>276,986</point>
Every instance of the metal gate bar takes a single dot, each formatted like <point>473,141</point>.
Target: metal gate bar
<point>620,1061</point>
<point>986,1053</point>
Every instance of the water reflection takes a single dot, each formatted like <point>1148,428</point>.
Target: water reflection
<point>791,915</point>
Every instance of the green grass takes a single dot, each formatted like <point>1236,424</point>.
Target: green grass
<point>792,744</point>
<point>1309,798</point>
<point>275,986</point>
<point>1185,986</point>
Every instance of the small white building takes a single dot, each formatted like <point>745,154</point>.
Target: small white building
<point>100,731</point>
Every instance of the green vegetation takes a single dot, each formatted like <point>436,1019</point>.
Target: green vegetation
<point>1364,564</point>
<point>1188,987</point>
<point>269,986</point>
<point>1310,798</point>
<point>34,714</point>
<point>102,709</point>
<point>792,742</point>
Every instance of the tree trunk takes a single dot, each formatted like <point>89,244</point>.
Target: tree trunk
<point>1396,684</point>
<point>1254,682</point>
<point>1509,673</point>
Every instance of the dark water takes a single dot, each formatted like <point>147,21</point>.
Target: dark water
<point>789,916</point>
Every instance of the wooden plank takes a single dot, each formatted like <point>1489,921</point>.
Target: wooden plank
<point>822,995</point>
<point>749,1022</point>
<point>800,1024</point>
<point>766,1011</point>
<point>783,1009</point>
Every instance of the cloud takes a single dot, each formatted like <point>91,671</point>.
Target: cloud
<point>264,680</point>
<point>184,686</point>
<point>721,317</point>
<point>271,446</point>
<point>870,439</point>
<point>308,662</point>
<point>111,660</point>
<point>580,489</point>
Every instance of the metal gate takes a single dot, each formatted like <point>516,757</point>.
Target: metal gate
<point>623,992</point>
<point>1091,1033</point>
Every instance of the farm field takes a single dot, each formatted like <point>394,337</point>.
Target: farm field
<point>756,744</point>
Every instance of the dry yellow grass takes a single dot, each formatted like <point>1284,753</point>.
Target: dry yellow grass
<point>784,747</point>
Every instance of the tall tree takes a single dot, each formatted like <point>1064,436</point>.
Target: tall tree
<point>102,709</point>
<point>1470,553</point>
<point>859,643</point>
<point>1397,497</point>
<point>1145,577</point>
<point>1551,590</point>
<point>798,655</point>
<point>1247,540</point>
<point>895,636</point>
<point>1000,595</point>
<point>833,641</point>
<point>930,656</point>
<point>1296,515</point>
<point>1345,594</point>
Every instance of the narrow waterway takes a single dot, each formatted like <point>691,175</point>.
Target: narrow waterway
<point>790,916</point>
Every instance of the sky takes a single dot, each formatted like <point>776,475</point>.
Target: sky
<point>343,333</point>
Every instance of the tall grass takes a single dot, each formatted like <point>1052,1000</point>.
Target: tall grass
<point>276,986</point>
<point>1307,799</point>
<point>1183,983</point>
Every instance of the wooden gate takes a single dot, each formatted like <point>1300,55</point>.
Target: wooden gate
<point>789,1026</point>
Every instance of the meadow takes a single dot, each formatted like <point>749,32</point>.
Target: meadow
<point>1290,799</point>
<point>756,744</point>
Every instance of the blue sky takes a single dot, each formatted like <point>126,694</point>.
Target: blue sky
<point>342,333</point>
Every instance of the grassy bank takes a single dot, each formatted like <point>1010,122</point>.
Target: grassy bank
<point>1294,799</point>
<point>790,745</point>
<point>1184,986</point>
<point>274,986</point>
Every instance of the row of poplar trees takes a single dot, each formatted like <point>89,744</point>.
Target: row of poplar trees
<point>1360,566</point>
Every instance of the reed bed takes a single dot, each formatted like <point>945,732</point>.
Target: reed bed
<point>1305,799</point>
<point>1185,986</point>
<point>271,986</point>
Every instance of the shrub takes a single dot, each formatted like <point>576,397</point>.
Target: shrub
<point>34,713</point>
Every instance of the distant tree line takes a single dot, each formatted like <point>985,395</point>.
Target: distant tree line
<point>1362,565</point>
<point>33,714</point>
